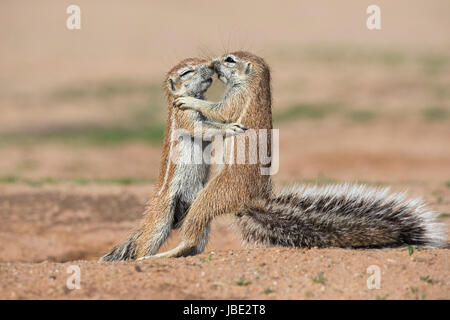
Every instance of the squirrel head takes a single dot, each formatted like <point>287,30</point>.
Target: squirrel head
<point>239,67</point>
<point>191,77</point>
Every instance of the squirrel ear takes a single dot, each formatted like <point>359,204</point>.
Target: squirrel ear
<point>248,67</point>
<point>172,85</point>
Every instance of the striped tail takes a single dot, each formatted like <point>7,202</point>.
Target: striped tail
<point>346,216</point>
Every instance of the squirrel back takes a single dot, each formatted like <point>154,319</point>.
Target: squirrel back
<point>346,216</point>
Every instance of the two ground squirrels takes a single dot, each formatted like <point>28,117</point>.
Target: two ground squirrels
<point>179,181</point>
<point>348,216</point>
<point>247,101</point>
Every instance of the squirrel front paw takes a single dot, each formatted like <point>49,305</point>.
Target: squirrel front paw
<point>184,103</point>
<point>234,129</point>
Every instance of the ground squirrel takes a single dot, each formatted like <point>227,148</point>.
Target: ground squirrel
<point>179,182</point>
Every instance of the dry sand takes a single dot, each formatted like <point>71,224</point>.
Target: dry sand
<point>44,231</point>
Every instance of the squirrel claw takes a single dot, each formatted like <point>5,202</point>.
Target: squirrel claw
<point>181,103</point>
<point>234,129</point>
<point>178,102</point>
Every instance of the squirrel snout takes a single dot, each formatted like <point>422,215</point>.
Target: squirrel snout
<point>214,64</point>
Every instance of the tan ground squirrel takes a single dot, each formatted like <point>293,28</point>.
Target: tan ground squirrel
<point>178,182</point>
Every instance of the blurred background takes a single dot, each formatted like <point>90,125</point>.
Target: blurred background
<point>86,107</point>
<point>351,103</point>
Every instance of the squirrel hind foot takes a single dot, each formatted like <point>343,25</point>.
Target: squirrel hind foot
<point>127,250</point>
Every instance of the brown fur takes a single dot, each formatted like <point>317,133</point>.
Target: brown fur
<point>235,184</point>
<point>158,216</point>
<point>346,216</point>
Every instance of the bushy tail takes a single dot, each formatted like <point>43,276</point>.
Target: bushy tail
<point>346,216</point>
<point>126,250</point>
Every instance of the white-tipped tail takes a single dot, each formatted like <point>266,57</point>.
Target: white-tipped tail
<point>349,216</point>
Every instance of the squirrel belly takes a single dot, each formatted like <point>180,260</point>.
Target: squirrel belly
<point>345,216</point>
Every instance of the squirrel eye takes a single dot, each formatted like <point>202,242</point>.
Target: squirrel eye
<point>186,72</point>
<point>230,60</point>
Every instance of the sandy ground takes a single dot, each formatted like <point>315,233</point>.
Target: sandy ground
<point>239,274</point>
<point>44,231</point>
<point>351,105</point>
